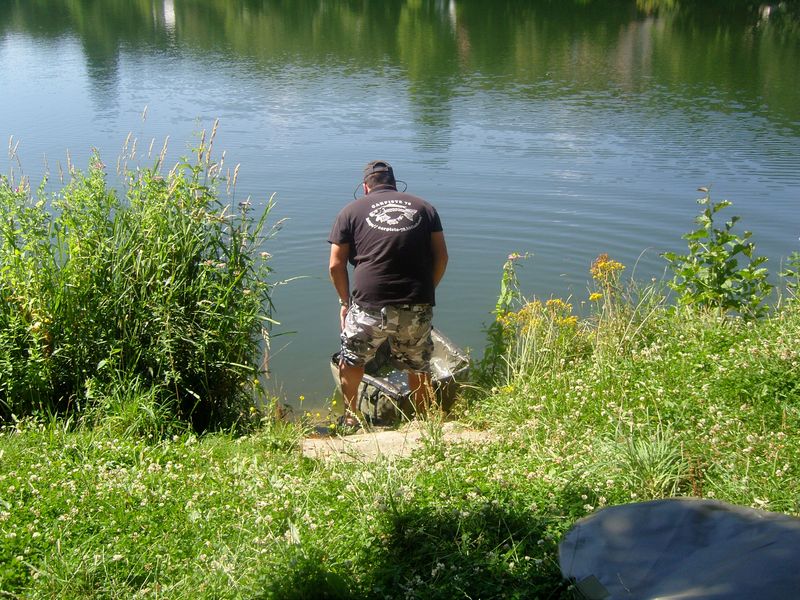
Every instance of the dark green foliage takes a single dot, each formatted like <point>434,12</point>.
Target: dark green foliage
<point>446,552</point>
<point>164,289</point>
<point>303,575</point>
<point>710,274</point>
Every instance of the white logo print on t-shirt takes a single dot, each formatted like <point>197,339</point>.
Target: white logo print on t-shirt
<point>393,215</point>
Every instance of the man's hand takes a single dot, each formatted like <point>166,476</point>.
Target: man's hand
<point>342,316</point>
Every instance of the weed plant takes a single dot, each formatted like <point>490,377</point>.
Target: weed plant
<point>160,296</point>
<point>791,275</point>
<point>658,400</point>
<point>711,274</point>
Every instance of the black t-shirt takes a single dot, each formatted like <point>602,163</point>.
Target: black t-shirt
<point>389,233</point>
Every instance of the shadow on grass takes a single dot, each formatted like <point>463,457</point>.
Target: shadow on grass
<point>434,553</point>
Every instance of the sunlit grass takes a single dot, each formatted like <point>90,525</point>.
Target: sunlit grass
<point>693,404</point>
<point>652,400</point>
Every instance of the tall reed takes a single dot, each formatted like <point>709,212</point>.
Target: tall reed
<point>165,287</point>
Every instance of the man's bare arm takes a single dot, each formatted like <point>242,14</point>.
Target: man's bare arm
<point>337,268</point>
<point>440,257</point>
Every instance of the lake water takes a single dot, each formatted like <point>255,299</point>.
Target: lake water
<point>563,129</point>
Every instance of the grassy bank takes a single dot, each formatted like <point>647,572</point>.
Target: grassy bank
<point>644,403</point>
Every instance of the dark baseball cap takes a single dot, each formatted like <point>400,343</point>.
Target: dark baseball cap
<point>378,166</point>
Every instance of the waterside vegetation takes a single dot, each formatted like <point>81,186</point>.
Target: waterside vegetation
<point>157,291</point>
<point>637,397</point>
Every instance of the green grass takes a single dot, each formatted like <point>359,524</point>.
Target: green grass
<point>88,515</point>
<point>666,401</point>
<point>693,404</point>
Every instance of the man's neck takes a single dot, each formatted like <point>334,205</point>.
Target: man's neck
<point>382,187</point>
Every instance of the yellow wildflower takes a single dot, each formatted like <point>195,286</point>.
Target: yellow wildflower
<point>529,316</point>
<point>558,305</point>
<point>569,321</point>
<point>604,268</point>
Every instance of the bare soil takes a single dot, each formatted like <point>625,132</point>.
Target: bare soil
<point>389,443</point>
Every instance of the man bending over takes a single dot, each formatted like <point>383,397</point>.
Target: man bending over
<point>396,245</point>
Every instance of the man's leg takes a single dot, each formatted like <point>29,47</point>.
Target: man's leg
<point>361,336</point>
<point>351,377</point>
<point>421,391</point>
<point>413,346</point>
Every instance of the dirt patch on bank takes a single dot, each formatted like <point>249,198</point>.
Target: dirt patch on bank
<point>389,443</point>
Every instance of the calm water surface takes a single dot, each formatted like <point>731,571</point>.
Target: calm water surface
<point>560,129</point>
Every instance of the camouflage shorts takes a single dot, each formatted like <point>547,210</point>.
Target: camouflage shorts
<point>407,327</point>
